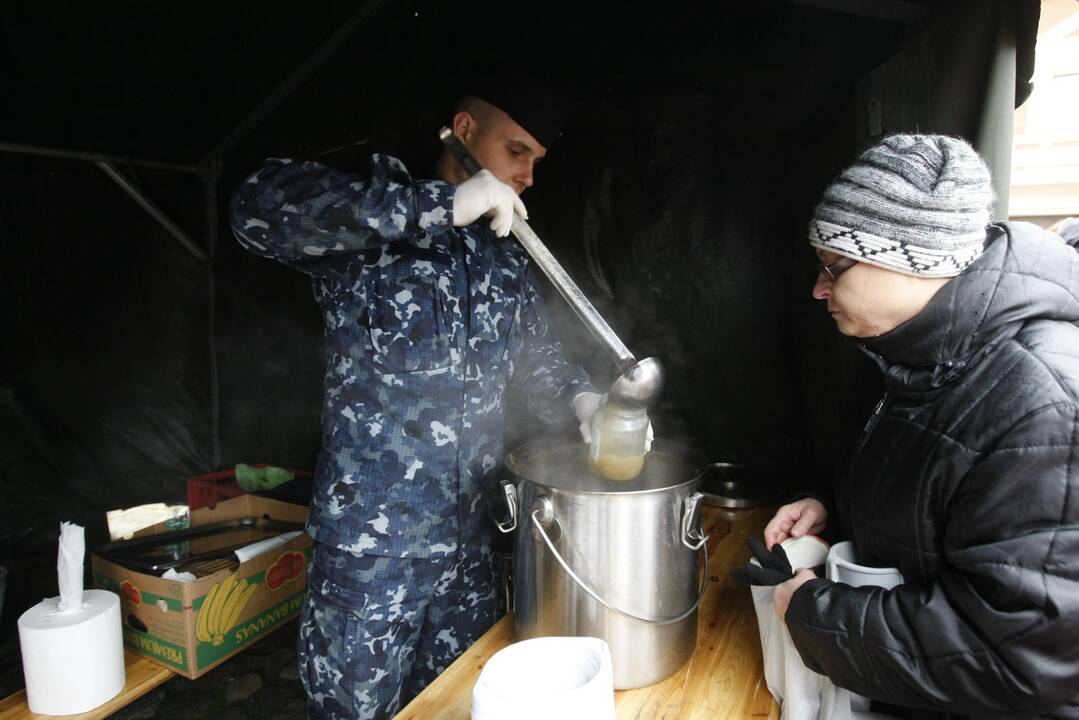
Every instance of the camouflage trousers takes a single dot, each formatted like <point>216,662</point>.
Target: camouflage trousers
<point>377,630</point>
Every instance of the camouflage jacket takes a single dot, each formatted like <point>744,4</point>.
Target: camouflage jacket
<point>425,326</point>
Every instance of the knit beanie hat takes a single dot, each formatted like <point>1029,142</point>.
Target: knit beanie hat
<point>915,204</point>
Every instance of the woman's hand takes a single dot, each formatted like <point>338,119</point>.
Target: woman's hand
<point>802,517</point>
<point>781,595</point>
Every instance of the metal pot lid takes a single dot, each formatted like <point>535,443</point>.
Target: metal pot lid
<point>565,467</point>
<point>741,484</point>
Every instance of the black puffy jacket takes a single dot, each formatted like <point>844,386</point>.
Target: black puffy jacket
<point>966,479</point>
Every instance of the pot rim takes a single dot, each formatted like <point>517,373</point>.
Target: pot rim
<point>690,455</point>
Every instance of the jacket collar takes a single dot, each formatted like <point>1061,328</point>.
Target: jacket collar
<point>1024,274</point>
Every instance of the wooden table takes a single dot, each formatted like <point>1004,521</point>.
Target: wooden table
<point>142,676</point>
<point>724,678</point>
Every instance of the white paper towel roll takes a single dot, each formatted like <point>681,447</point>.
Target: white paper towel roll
<point>72,661</point>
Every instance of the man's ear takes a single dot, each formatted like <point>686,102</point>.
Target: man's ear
<point>464,126</point>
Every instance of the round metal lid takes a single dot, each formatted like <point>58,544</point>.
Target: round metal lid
<point>565,467</point>
<point>739,485</point>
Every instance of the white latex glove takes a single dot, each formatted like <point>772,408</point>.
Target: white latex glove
<point>585,405</point>
<point>484,194</point>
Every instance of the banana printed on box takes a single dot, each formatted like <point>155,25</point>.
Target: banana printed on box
<point>222,607</point>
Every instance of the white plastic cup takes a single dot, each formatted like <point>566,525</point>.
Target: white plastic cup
<point>841,566</point>
<point>568,678</point>
<point>807,551</point>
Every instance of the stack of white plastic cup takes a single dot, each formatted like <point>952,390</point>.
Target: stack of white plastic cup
<point>802,693</point>
<point>568,678</point>
<point>792,684</point>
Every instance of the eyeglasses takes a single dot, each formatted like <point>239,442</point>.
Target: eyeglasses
<point>837,268</point>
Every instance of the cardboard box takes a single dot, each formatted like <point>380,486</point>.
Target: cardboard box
<point>190,627</point>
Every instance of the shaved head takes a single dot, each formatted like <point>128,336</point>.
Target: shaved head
<point>496,140</point>
<point>483,112</point>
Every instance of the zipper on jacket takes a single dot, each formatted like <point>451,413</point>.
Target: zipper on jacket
<point>948,371</point>
<point>867,430</point>
<point>871,423</point>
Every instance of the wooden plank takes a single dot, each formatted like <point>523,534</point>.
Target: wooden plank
<point>142,676</point>
<point>724,678</point>
<point>726,674</point>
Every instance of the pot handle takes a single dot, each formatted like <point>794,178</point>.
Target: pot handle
<point>693,536</point>
<point>546,511</point>
<point>510,493</point>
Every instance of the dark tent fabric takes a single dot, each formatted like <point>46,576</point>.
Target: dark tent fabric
<point>677,198</point>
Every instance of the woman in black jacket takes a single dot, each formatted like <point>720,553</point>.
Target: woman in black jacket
<point>966,476</point>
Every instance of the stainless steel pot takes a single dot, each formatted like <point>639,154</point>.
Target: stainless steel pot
<point>615,560</point>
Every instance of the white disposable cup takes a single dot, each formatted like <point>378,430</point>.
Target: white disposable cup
<point>842,567</point>
<point>567,678</point>
<point>807,551</point>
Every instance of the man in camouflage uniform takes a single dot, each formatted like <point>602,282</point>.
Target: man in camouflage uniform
<point>429,315</point>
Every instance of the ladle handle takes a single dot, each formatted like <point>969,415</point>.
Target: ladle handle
<point>595,596</point>
<point>565,285</point>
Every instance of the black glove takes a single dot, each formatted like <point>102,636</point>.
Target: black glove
<point>774,566</point>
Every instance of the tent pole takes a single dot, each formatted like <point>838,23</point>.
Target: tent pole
<point>295,78</point>
<point>210,181</point>
<point>156,213</point>
<point>93,157</point>
<point>900,11</point>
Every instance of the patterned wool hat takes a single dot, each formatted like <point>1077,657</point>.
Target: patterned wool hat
<point>915,204</point>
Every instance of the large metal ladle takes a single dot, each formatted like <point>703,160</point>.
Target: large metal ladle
<point>640,382</point>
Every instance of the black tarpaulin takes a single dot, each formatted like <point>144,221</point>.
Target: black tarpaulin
<point>678,198</point>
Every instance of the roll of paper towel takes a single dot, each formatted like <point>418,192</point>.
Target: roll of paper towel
<point>73,661</point>
<point>72,645</point>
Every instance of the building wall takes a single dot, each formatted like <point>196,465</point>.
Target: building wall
<point>1045,160</point>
